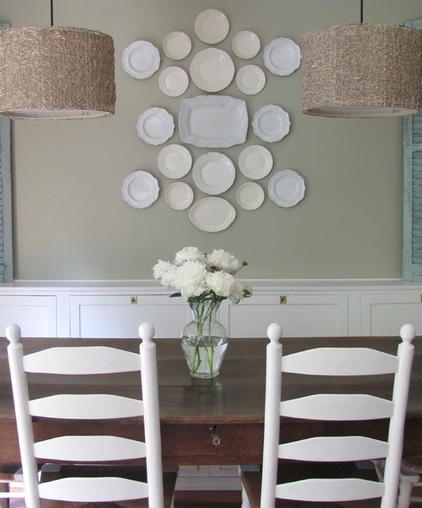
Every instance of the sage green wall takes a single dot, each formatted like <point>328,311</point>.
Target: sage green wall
<point>70,221</point>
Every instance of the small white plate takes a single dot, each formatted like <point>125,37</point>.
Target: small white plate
<point>250,79</point>
<point>141,59</point>
<point>173,81</point>
<point>286,188</point>
<point>211,26</point>
<point>282,56</point>
<point>155,126</point>
<point>271,123</point>
<point>212,214</point>
<point>214,173</point>
<point>255,162</point>
<point>177,45</point>
<point>246,44</point>
<point>140,189</point>
<point>212,69</point>
<point>174,161</point>
<point>179,196</point>
<point>250,196</point>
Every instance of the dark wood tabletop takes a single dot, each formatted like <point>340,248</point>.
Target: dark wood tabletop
<point>218,421</point>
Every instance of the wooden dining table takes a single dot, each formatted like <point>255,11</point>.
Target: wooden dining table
<point>211,421</point>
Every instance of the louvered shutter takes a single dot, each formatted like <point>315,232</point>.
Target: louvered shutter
<point>412,192</point>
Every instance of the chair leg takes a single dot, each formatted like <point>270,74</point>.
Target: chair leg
<point>245,499</point>
<point>405,490</point>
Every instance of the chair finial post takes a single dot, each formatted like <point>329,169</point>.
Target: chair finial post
<point>13,333</point>
<point>274,332</point>
<point>407,333</point>
<point>146,331</point>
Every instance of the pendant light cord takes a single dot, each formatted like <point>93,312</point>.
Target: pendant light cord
<point>52,12</point>
<point>361,11</point>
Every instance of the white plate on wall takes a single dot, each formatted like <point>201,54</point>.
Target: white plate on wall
<point>212,214</point>
<point>286,188</point>
<point>213,173</point>
<point>179,196</point>
<point>282,56</point>
<point>155,126</point>
<point>174,161</point>
<point>271,123</point>
<point>141,59</point>
<point>255,162</point>
<point>250,79</point>
<point>173,81</point>
<point>177,45</point>
<point>140,189</point>
<point>246,44</point>
<point>212,69</point>
<point>250,196</point>
<point>211,26</point>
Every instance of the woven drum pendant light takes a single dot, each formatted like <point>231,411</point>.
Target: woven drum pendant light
<point>362,71</point>
<point>56,73</point>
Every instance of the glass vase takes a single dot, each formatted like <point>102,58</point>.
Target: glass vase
<point>204,340</point>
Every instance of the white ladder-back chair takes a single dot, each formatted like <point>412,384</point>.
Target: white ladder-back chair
<point>333,406</point>
<point>11,485</point>
<point>89,450</point>
<point>411,477</point>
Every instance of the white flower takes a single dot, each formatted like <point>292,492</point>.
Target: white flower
<point>189,278</point>
<point>165,271</point>
<point>220,282</point>
<point>237,292</point>
<point>188,254</point>
<point>223,260</point>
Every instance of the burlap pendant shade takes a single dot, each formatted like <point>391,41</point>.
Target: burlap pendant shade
<point>362,71</point>
<point>56,73</point>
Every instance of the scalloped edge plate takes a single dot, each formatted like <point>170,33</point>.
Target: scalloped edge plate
<point>271,123</point>
<point>286,188</point>
<point>141,59</point>
<point>255,162</point>
<point>214,173</point>
<point>174,161</point>
<point>140,189</point>
<point>155,126</point>
<point>212,69</point>
<point>282,56</point>
<point>250,79</point>
<point>173,81</point>
<point>177,45</point>
<point>211,26</point>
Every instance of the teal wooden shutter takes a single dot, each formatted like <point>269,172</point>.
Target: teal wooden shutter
<point>6,246</point>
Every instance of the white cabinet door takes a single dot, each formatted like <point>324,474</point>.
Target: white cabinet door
<point>119,316</point>
<point>36,315</point>
<point>299,315</point>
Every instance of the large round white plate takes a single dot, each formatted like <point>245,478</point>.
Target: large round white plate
<point>250,79</point>
<point>173,81</point>
<point>211,26</point>
<point>214,173</point>
<point>212,69</point>
<point>271,123</point>
<point>255,162</point>
<point>155,126</point>
<point>286,188</point>
<point>212,214</point>
<point>174,161</point>
<point>140,189</point>
<point>177,45</point>
<point>282,56</point>
<point>179,195</point>
<point>250,196</point>
<point>246,44</point>
<point>141,59</point>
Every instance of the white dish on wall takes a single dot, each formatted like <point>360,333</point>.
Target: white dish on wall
<point>286,188</point>
<point>141,59</point>
<point>174,161</point>
<point>179,196</point>
<point>271,123</point>
<point>173,81</point>
<point>246,44</point>
<point>213,121</point>
<point>212,69</point>
<point>155,126</point>
<point>255,162</point>
<point>282,56</point>
<point>250,196</point>
<point>140,189</point>
<point>211,26</point>
<point>250,79</point>
<point>212,214</point>
<point>213,173</point>
<point>177,45</point>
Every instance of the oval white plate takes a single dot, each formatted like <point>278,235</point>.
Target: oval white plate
<point>250,79</point>
<point>211,26</point>
<point>271,123</point>
<point>255,162</point>
<point>212,69</point>
<point>179,195</point>
<point>174,161</point>
<point>173,81</point>
<point>250,196</point>
<point>140,189</point>
<point>286,188</point>
<point>212,214</point>
<point>177,45</point>
<point>246,44</point>
<point>213,173</point>
<point>141,59</point>
<point>155,126</point>
<point>282,56</point>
